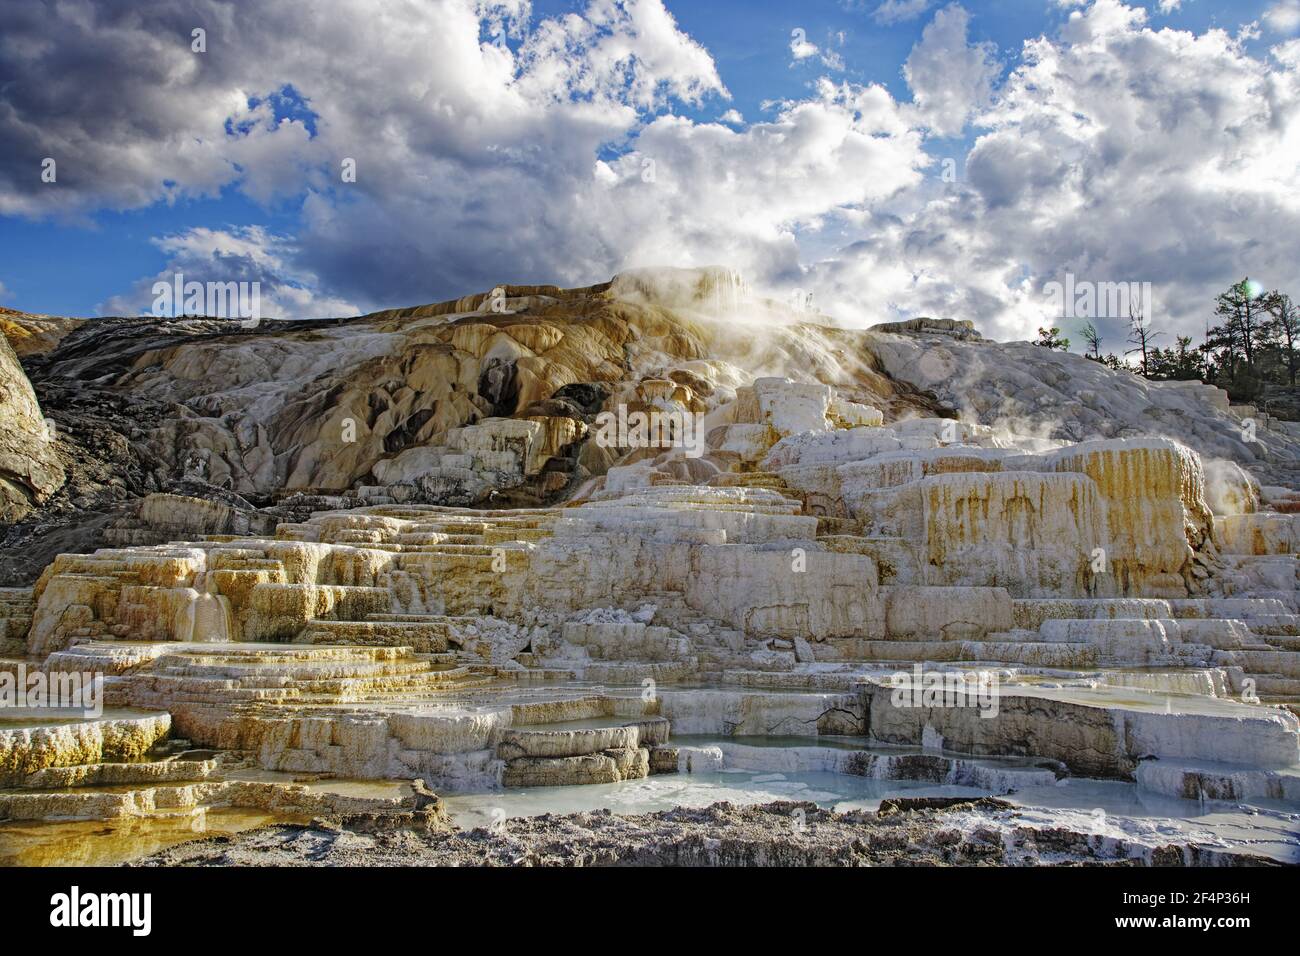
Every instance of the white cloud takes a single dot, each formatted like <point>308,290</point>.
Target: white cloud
<point>800,47</point>
<point>1283,17</point>
<point>115,94</point>
<point>1102,19</point>
<point>1110,150</point>
<point>482,167</point>
<point>248,254</point>
<point>728,196</point>
<point>1114,152</point>
<point>899,11</point>
<point>832,61</point>
<point>949,77</point>
<point>627,52</point>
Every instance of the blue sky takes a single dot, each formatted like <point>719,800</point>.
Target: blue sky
<point>165,181</point>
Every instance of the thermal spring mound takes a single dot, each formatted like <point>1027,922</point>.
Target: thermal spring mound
<point>834,569</point>
<point>31,744</point>
<point>1157,517</point>
<point>1031,533</point>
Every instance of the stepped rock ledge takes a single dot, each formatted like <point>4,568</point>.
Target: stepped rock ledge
<point>397,548</point>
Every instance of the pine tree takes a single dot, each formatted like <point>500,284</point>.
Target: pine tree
<point>1283,325</point>
<point>1092,338</point>
<point>1051,339</point>
<point>1243,311</point>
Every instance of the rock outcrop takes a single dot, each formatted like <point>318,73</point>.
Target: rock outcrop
<point>30,471</point>
<point>524,538</point>
<point>495,397</point>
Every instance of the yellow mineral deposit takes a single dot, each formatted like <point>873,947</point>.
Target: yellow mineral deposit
<point>476,595</point>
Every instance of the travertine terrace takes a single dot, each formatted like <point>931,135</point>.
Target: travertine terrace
<point>879,521</point>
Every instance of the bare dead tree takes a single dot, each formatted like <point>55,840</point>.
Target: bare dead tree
<point>1093,340</point>
<point>1141,336</point>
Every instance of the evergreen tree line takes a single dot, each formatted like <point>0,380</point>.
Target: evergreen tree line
<point>1255,344</point>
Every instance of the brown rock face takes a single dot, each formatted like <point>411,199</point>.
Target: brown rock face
<point>29,469</point>
<point>494,400</point>
<point>34,334</point>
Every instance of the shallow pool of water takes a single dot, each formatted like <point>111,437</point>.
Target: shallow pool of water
<point>99,843</point>
<point>1263,827</point>
<point>19,717</point>
<point>581,723</point>
<point>664,792</point>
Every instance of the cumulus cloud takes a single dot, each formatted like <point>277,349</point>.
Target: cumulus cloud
<point>899,11</point>
<point>246,254</point>
<point>1113,152</point>
<point>800,47</point>
<point>132,114</point>
<point>1283,17</point>
<point>718,194</point>
<point>555,150</point>
<point>949,77</point>
<point>483,166</point>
